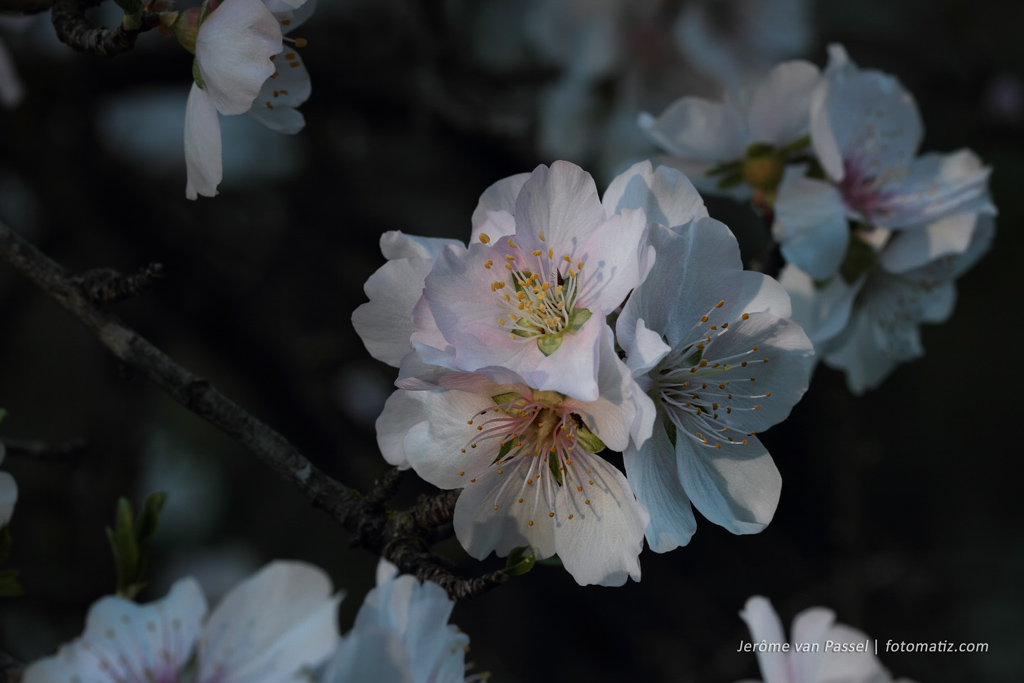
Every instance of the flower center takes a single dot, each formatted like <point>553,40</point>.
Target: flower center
<point>704,394</point>
<point>538,297</point>
<point>537,445</point>
<point>863,187</point>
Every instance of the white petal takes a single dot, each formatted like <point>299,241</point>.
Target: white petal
<point>693,128</point>
<point>812,627</point>
<point>8,496</point>
<point>736,487</point>
<point>385,323</point>
<point>563,204</point>
<point>202,145</point>
<point>781,107</point>
<point>402,411</point>
<point>395,244</point>
<point>666,195</point>
<point>617,257</point>
<point>125,641</point>
<point>644,348</point>
<point>909,249</point>
<point>234,46</point>
<point>601,544</point>
<point>837,667</point>
<point>370,655</point>
<point>653,477</point>
<point>501,196</point>
<point>287,88</point>
<point>270,626</point>
<point>810,225</point>
<point>482,529</point>
<point>764,624</point>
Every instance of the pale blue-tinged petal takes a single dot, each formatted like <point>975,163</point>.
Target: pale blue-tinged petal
<point>233,47</point>
<point>811,226</point>
<point>780,109</point>
<point>697,129</point>
<point>269,627</point>
<point>666,195</point>
<point>933,186</point>
<point>395,244</point>
<point>644,348</point>
<point>203,164</point>
<point>981,242</point>
<point>369,655</point>
<point>287,88</point>
<point>861,353</point>
<point>910,249</point>
<point>823,312</point>
<point>654,478</point>
<point>736,486</point>
<point>601,544</point>
<point>764,625</point>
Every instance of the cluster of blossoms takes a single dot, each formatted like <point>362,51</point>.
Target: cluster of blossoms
<point>874,235</point>
<point>512,380</point>
<point>242,66</point>
<point>278,625</point>
<point>821,650</point>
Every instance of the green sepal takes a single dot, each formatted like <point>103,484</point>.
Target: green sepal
<point>553,465</point>
<point>197,75</point>
<point>577,319</point>
<point>731,167</point>
<point>9,586</point>
<point>519,562</point>
<point>796,145</point>
<point>759,149</point>
<point>149,518</point>
<point>129,6</point>
<point>549,343</point>
<point>588,440</point>
<point>553,561</point>
<point>507,397</point>
<point>860,257</point>
<point>130,540</point>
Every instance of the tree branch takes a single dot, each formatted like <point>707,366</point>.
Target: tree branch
<point>402,537</point>
<point>41,451</point>
<point>75,30</point>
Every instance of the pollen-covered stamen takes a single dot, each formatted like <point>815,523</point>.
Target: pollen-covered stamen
<point>539,292</point>
<point>533,443</point>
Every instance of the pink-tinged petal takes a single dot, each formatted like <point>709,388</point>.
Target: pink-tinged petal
<point>287,88</point>
<point>481,528</point>
<point>234,46</point>
<point>910,249</point>
<point>385,323</point>
<point>124,641</point>
<point>370,655</point>
<point>666,195</point>
<point>811,627</point>
<point>272,625</point>
<point>501,196</point>
<point>736,486</point>
<point>764,624</point>
<point>934,186</point>
<point>652,475</point>
<point>402,411</point>
<point>562,204</point>
<point>885,136</point>
<point>203,162</point>
<point>697,129</point>
<point>8,497</point>
<point>811,226</point>
<point>601,544</point>
<point>395,244</point>
<point>495,225</point>
<point>434,447</point>
<point>616,258</point>
<point>781,106</point>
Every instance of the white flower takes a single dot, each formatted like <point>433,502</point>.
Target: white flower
<point>401,635</point>
<point>526,461</point>
<point>242,68</point>
<point>809,658</point>
<point>266,630</point>
<point>713,345</point>
<point>867,322</point>
<point>531,293</point>
<point>703,136</point>
<point>8,492</point>
<point>865,131</point>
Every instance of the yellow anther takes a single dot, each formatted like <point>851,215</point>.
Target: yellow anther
<point>484,238</point>
<point>541,235</point>
<point>512,244</point>
<point>510,257</point>
<point>537,252</point>
<point>501,322</point>
<point>745,316</point>
<point>488,265</point>
<point>551,254</point>
<point>530,522</point>
<point>567,259</point>
<point>719,304</point>
<point>551,514</point>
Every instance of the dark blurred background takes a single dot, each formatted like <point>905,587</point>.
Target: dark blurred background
<point>901,509</point>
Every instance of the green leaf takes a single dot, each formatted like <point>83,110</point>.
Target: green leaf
<point>9,586</point>
<point>577,318</point>
<point>149,518</point>
<point>519,562</point>
<point>507,397</point>
<point>589,440</point>
<point>549,343</point>
<point>860,258</point>
<point>553,465</point>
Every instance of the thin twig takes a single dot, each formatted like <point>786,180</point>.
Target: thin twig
<point>106,284</point>
<point>75,30</point>
<point>402,537</point>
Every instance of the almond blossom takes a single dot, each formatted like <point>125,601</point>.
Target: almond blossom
<point>401,635</point>
<point>822,651</point>
<point>531,292</point>
<point>241,67</point>
<point>713,345</point>
<point>267,629</point>
<point>527,461</point>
